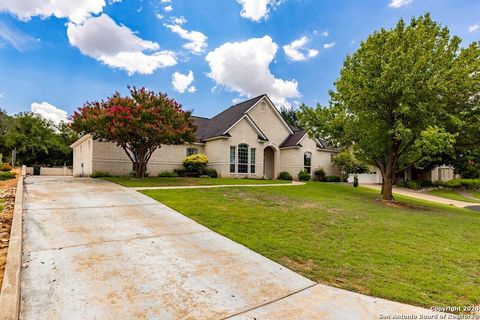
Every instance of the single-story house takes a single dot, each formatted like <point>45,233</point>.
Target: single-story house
<point>444,173</point>
<point>249,139</point>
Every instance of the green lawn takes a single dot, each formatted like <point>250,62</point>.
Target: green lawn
<point>167,182</point>
<point>416,252</point>
<point>450,194</point>
<point>476,195</point>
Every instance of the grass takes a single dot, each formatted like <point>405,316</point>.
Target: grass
<point>452,195</point>
<point>167,182</point>
<point>476,195</point>
<point>417,252</point>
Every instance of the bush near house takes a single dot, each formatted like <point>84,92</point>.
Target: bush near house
<point>333,179</point>
<point>319,174</point>
<point>212,173</point>
<point>6,167</point>
<point>473,184</point>
<point>100,174</point>
<point>168,174</point>
<point>196,163</point>
<point>6,175</point>
<point>285,176</point>
<point>303,176</point>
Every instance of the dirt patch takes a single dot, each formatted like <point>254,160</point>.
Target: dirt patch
<point>402,205</point>
<point>298,265</point>
<point>7,201</point>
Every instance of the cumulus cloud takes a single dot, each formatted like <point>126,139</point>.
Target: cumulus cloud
<point>168,8</point>
<point>49,112</point>
<point>74,10</point>
<point>329,45</point>
<point>197,41</point>
<point>183,82</point>
<point>473,28</point>
<point>117,46</point>
<point>244,67</point>
<point>296,50</point>
<point>257,10</point>
<point>399,3</point>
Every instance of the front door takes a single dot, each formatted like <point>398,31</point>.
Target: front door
<point>269,163</point>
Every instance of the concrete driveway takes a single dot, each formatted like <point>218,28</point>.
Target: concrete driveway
<point>96,250</point>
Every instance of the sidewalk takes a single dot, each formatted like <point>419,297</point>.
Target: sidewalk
<point>428,197</point>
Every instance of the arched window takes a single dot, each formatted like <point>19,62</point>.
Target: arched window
<point>243,158</point>
<point>307,161</point>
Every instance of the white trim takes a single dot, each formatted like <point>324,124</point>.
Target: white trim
<point>217,137</point>
<point>276,112</point>
<point>81,140</point>
<point>292,147</point>
<point>252,124</point>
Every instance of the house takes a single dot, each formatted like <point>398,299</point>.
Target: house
<point>444,173</point>
<point>249,139</point>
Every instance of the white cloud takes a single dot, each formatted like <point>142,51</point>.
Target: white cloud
<point>329,45</point>
<point>16,38</point>
<point>244,67</point>
<point>75,10</point>
<point>117,46</point>
<point>197,41</point>
<point>296,50</point>
<point>49,112</point>
<point>473,28</point>
<point>257,10</point>
<point>159,16</point>
<point>166,1</point>
<point>399,3</point>
<point>323,33</point>
<point>168,8</point>
<point>183,82</point>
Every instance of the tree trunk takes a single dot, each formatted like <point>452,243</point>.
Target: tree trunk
<point>389,176</point>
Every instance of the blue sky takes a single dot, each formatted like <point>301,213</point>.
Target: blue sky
<point>207,54</point>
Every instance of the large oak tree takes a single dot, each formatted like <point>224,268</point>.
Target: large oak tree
<point>404,98</point>
<point>139,124</point>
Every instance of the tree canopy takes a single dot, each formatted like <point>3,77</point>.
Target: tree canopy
<point>139,124</point>
<point>407,97</point>
<point>37,140</point>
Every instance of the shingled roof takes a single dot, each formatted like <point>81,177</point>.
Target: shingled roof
<point>216,126</point>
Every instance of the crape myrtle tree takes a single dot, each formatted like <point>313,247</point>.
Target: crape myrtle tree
<point>403,99</point>
<point>139,124</point>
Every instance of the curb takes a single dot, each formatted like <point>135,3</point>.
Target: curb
<point>10,293</point>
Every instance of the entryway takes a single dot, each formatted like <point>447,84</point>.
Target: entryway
<point>269,163</point>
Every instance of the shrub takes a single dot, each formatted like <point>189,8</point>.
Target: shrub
<point>6,167</point>
<point>212,173</point>
<point>196,163</point>
<point>6,175</point>
<point>473,184</point>
<point>333,179</point>
<point>180,172</point>
<point>319,174</point>
<point>285,176</point>
<point>303,176</point>
<point>100,174</point>
<point>168,174</point>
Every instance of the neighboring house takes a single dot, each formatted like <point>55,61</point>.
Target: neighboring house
<point>250,139</point>
<point>444,173</point>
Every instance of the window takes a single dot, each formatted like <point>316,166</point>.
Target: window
<point>307,161</point>
<point>252,160</point>
<point>232,159</point>
<point>263,106</point>
<point>191,151</point>
<point>242,158</point>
